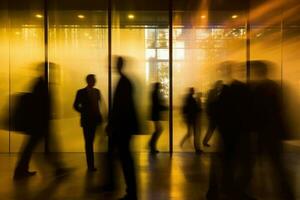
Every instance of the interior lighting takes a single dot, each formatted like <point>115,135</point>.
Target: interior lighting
<point>234,16</point>
<point>39,16</point>
<point>81,16</point>
<point>130,16</point>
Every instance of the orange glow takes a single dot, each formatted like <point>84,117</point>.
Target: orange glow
<point>81,16</point>
<point>39,16</point>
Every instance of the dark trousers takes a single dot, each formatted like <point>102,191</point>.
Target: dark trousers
<point>119,149</point>
<point>193,128</point>
<point>155,135</point>
<point>35,137</point>
<point>89,136</point>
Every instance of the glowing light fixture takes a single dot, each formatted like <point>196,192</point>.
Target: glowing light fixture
<point>131,16</point>
<point>81,16</point>
<point>203,16</point>
<point>39,16</point>
<point>234,16</point>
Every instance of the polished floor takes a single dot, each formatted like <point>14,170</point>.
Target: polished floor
<point>182,176</point>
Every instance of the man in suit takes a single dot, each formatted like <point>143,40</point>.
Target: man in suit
<point>122,124</point>
<point>87,103</point>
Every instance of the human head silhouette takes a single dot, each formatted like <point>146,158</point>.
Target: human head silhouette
<point>91,80</point>
<point>191,91</point>
<point>120,64</point>
<point>156,86</point>
<point>259,68</point>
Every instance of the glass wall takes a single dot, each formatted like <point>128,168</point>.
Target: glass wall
<point>290,71</point>
<point>78,46</point>
<point>4,73</point>
<point>26,53</point>
<point>140,33</point>
<point>203,37</point>
<point>204,34</point>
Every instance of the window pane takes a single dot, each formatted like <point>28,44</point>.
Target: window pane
<point>78,45</point>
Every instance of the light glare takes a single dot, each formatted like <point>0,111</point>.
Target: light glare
<point>131,16</point>
<point>81,16</point>
<point>39,16</point>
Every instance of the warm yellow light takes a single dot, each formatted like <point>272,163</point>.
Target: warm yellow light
<point>131,16</point>
<point>234,16</point>
<point>18,33</point>
<point>81,16</point>
<point>203,16</point>
<point>39,16</point>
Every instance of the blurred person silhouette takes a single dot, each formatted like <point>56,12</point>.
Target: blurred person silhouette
<point>87,103</point>
<point>228,112</point>
<point>157,107</point>
<point>38,128</point>
<point>191,110</point>
<point>211,105</point>
<point>269,123</point>
<point>122,124</point>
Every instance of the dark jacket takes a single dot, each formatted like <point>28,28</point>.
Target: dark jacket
<point>191,109</point>
<point>87,104</point>
<point>40,114</point>
<point>268,111</point>
<point>123,116</point>
<point>232,114</point>
<point>157,106</point>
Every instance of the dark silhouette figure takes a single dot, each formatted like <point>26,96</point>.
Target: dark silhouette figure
<point>38,129</point>
<point>87,103</point>
<point>158,105</point>
<point>191,113</point>
<point>122,124</point>
<point>269,123</point>
<point>228,112</point>
<point>211,105</point>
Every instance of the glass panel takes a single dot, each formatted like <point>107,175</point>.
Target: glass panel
<point>203,38</point>
<point>290,63</point>
<point>4,73</point>
<point>140,33</point>
<point>26,52</point>
<point>78,46</point>
<point>266,35</point>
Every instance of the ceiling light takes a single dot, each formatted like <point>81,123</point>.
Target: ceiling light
<point>81,16</point>
<point>203,16</point>
<point>39,16</point>
<point>130,16</point>
<point>234,16</point>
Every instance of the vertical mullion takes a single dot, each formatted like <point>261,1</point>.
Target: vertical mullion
<point>8,28</point>
<point>109,54</point>
<point>248,43</point>
<point>171,76</point>
<point>46,58</point>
